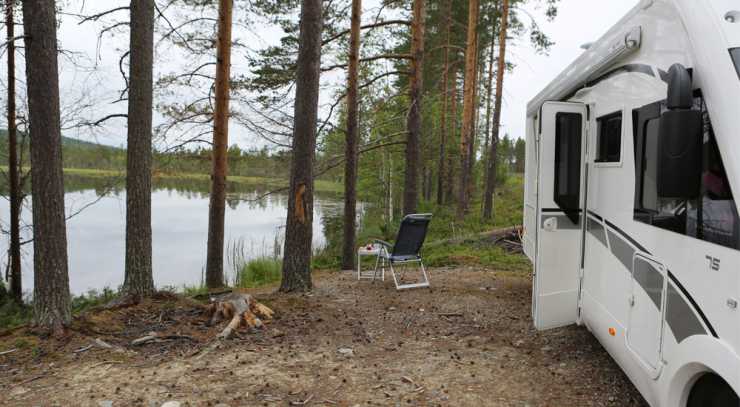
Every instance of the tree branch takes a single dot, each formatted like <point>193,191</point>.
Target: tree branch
<point>365,27</point>
<point>368,59</point>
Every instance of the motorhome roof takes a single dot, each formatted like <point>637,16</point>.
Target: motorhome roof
<point>595,60</point>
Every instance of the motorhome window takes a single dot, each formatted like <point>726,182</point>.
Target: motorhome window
<point>713,217</point>
<point>568,128</point>
<point>609,138</point>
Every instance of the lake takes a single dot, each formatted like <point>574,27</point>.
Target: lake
<point>96,235</point>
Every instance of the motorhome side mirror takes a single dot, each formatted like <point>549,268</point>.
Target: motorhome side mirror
<point>680,140</point>
<point>680,154</point>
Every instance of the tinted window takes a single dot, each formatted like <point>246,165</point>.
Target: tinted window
<point>609,138</point>
<point>568,127</point>
<point>711,218</point>
<point>735,53</point>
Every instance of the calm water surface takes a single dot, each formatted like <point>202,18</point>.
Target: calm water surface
<point>96,236</point>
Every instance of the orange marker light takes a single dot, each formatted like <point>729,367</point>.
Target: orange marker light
<point>612,332</point>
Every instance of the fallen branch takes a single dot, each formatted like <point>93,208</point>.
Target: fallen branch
<point>107,362</point>
<point>450,314</point>
<point>154,337</point>
<point>302,403</point>
<point>493,235</point>
<point>8,351</point>
<point>103,344</point>
<point>84,349</point>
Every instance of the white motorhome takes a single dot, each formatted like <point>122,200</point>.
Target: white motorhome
<point>632,165</point>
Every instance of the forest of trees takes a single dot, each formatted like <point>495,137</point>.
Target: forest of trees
<point>414,118</point>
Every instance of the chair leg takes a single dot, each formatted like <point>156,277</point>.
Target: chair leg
<point>424,272</point>
<point>382,270</point>
<point>424,283</point>
<point>393,273</point>
<point>375,271</point>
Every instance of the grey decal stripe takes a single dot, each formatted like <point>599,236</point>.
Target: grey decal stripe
<point>621,249</point>
<point>682,321</point>
<point>597,230</point>
<point>626,236</point>
<point>682,309</point>
<point>686,294</point>
<point>650,280</point>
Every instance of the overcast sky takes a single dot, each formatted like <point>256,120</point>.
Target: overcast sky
<point>578,22</point>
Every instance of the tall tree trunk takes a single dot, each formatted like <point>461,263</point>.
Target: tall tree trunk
<point>217,207</point>
<point>443,120</point>
<point>413,122</point>
<point>428,183</point>
<point>423,175</point>
<point>51,301</point>
<point>474,139</point>
<point>138,281</point>
<point>491,179</point>
<point>299,224</point>
<point>450,190</point>
<point>14,255</point>
<point>352,137</point>
<point>489,93</point>
<point>469,108</point>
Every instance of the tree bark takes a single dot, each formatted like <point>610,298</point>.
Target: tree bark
<point>138,281</point>
<point>450,190</point>
<point>217,207</point>
<point>491,178</point>
<point>51,300</point>
<point>443,120</point>
<point>469,108</point>
<point>489,93</point>
<point>352,138</point>
<point>474,139</point>
<point>14,255</point>
<point>413,122</point>
<point>299,223</point>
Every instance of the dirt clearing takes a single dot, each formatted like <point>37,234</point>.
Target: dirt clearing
<point>468,341</point>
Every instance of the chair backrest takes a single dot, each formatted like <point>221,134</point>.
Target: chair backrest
<point>411,235</point>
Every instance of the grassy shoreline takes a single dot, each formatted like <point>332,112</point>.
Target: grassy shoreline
<point>319,185</point>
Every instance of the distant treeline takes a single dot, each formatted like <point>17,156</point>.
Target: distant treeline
<point>86,155</point>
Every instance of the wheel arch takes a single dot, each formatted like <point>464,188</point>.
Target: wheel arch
<point>693,358</point>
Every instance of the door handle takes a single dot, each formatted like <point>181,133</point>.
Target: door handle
<point>551,224</point>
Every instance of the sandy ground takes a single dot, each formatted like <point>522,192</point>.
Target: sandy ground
<point>468,341</point>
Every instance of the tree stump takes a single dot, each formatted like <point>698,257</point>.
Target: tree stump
<point>240,309</point>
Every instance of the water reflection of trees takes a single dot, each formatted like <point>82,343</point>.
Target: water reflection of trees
<point>238,193</point>
<point>328,206</point>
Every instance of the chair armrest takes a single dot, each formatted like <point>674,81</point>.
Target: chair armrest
<point>383,242</point>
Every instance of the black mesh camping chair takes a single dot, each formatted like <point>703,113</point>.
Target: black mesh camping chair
<point>406,250</point>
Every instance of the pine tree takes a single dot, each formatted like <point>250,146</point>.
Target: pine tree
<point>138,280</point>
<point>51,281</point>
<point>217,207</point>
<point>299,224</point>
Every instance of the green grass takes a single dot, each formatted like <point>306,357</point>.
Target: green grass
<point>475,252</point>
<point>92,298</point>
<point>472,250</point>
<point>13,315</point>
<point>259,272</point>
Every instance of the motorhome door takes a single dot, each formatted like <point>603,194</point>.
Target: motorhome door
<point>561,149</point>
